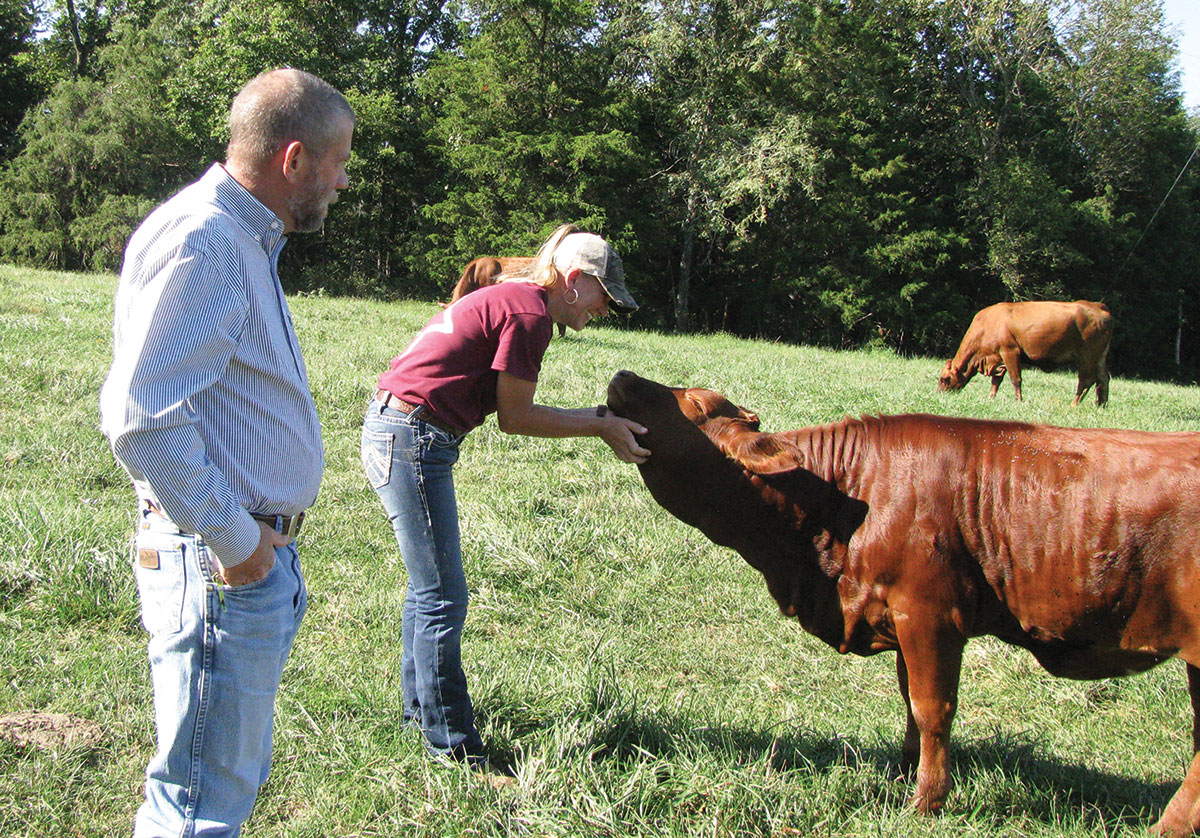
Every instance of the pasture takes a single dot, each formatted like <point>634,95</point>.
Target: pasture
<point>638,679</point>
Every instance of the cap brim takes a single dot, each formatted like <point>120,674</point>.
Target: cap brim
<point>621,300</point>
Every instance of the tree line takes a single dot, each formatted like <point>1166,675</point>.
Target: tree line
<point>846,173</point>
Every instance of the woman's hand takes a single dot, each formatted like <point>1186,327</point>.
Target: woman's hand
<point>516,413</point>
<point>618,433</point>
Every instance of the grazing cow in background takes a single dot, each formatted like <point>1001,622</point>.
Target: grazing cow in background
<point>1046,335</point>
<point>482,271</point>
<point>914,533</point>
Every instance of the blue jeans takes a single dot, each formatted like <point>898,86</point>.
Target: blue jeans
<point>409,463</point>
<point>216,658</point>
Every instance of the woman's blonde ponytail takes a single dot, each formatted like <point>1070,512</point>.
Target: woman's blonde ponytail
<point>542,271</point>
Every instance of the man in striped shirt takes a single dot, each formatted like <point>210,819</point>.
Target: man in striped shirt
<point>207,406</point>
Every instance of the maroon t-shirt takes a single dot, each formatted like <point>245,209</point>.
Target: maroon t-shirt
<point>452,365</point>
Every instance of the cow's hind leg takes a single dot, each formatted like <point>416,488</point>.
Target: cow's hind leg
<point>1102,382</point>
<point>1089,374</point>
<point>933,659</point>
<point>1085,384</point>
<point>1012,362</point>
<point>1182,815</point>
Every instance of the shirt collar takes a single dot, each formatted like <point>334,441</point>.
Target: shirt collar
<point>251,213</point>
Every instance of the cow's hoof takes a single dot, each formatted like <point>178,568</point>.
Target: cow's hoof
<point>1173,828</point>
<point>927,804</point>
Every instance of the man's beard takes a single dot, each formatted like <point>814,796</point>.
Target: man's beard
<point>308,209</point>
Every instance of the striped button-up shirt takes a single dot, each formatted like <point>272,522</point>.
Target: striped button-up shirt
<point>207,404</point>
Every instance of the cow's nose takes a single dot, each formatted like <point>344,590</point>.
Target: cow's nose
<point>616,386</point>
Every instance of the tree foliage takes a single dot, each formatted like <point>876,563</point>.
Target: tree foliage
<point>846,172</point>
<point>18,87</point>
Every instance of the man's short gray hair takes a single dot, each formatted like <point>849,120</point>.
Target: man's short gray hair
<point>279,107</point>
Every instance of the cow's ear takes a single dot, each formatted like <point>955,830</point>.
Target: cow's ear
<point>698,412</point>
<point>760,453</point>
<point>749,417</point>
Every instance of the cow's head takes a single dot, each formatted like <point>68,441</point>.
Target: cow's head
<point>671,414</point>
<point>951,377</point>
<point>712,468</point>
<point>688,425</point>
<point>654,404</point>
<point>687,473</point>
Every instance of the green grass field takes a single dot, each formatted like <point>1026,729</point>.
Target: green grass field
<point>639,679</point>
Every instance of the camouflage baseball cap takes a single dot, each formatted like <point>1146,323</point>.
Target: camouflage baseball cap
<point>593,255</point>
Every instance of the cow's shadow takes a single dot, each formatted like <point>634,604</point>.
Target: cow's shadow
<point>1045,787</point>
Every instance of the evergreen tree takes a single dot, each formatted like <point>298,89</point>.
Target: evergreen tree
<point>530,133</point>
<point>97,156</point>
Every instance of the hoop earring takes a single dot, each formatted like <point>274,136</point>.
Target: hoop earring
<point>574,299</point>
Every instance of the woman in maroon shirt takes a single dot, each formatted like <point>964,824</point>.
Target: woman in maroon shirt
<point>480,355</point>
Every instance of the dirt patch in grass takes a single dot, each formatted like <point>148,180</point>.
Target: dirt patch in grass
<point>49,731</point>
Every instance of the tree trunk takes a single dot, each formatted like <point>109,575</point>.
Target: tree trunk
<point>683,287</point>
<point>82,49</point>
<point>1179,341</point>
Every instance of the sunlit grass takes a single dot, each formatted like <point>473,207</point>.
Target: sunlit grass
<point>638,680</point>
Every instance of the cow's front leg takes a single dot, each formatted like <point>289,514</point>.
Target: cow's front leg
<point>997,377</point>
<point>1182,815</point>
<point>1087,377</point>
<point>932,654</point>
<point>993,367</point>
<point>910,754</point>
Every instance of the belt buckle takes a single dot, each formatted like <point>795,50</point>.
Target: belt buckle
<point>290,525</point>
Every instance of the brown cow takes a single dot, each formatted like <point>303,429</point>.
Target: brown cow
<point>1046,335</point>
<point>914,533</point>
<point>482,271</point>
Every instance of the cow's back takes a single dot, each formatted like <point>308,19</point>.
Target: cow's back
<point>1051,333</point>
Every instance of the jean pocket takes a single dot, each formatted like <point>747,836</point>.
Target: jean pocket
<point>377,457</point>
<point>160,570</point>
<point>438,438</point>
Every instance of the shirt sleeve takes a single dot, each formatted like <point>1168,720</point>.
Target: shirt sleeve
<point>179,333</point>
<point>522,345</point>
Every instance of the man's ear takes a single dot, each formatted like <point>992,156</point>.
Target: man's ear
<point>293,159</point>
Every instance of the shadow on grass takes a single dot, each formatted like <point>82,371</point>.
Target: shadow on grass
<point>1002,776</point>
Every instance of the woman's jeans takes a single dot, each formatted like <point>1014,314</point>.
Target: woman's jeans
<point>216,658</point>
<point>409,463</point>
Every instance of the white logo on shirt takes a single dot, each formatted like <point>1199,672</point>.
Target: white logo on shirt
<point>441,323</point>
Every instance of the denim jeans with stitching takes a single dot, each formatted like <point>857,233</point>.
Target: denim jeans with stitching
<point>216,658</point>
<point>409,463</point>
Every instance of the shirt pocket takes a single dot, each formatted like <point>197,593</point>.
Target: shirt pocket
<point>377,457</point>
<point>159,565</point>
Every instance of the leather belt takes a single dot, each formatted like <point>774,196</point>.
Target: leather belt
<point>385,398</point>
<point>289,525</point>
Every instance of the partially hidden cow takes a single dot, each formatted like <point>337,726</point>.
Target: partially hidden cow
<point>1044,334</point>
<point>483,270</point>
<point>913,533</point>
